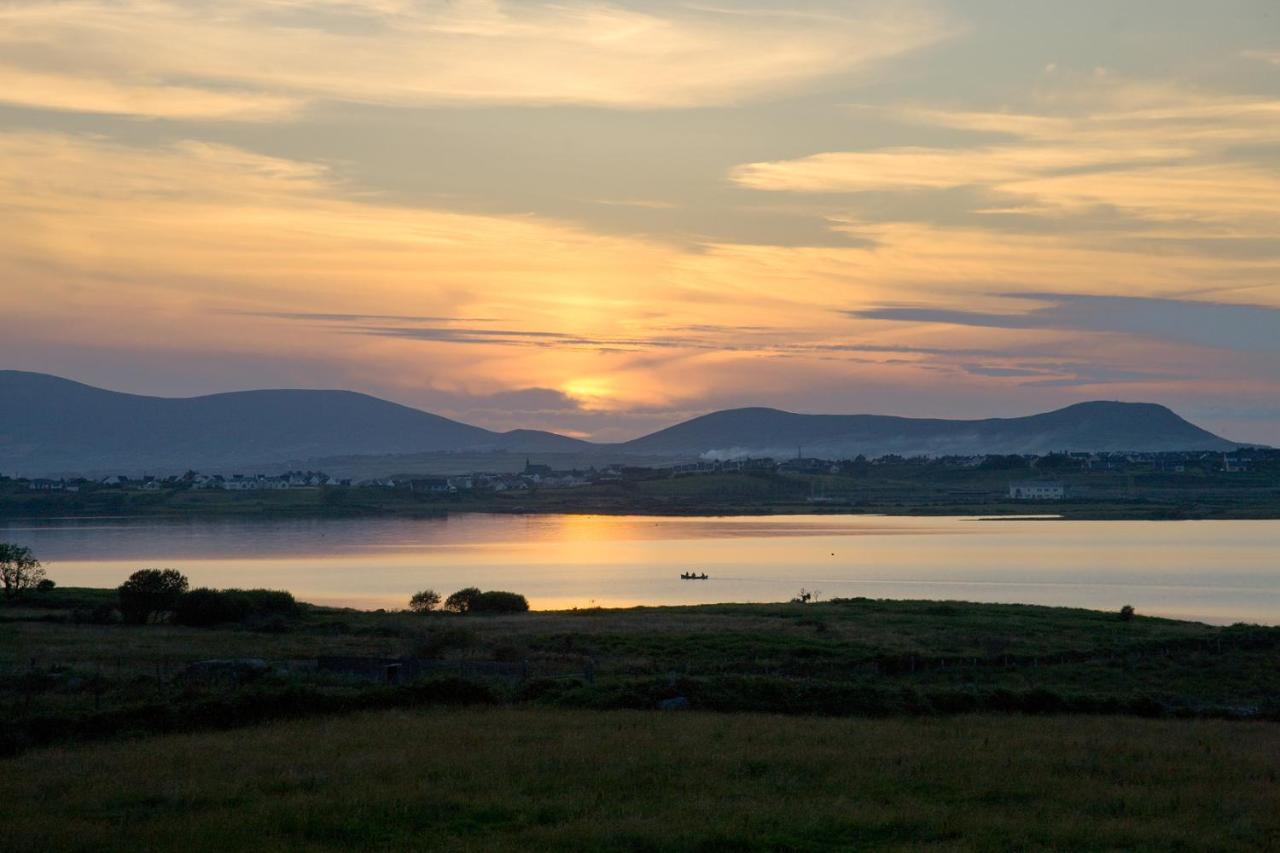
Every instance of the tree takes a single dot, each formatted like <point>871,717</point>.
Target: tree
<point>499,601</point>
<point>462,600</point>
<point>425,601</point>
<point>150,592</point>
<point>19,569</point>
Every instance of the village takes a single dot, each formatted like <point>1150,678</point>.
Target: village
<point>1030,477</point>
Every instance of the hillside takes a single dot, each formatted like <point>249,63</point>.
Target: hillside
<point>53,426</point>
<point>50,425</point>
<point>1099,426</point>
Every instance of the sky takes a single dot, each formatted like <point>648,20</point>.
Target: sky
<point>602,218</point>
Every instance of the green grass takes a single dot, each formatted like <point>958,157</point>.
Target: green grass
<point>520,779</point>
<point>857,656</point>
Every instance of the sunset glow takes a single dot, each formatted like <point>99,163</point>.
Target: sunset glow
<point>600,218</point>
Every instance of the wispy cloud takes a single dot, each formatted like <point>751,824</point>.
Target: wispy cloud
<point>1213,324</point>
<point>1157,153</point>
<point>242,59</point>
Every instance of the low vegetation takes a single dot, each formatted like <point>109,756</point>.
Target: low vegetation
<point>472,600</point>
<point>71,667</point>
<point>910,724</point>
<point>538,779</point>
<point>207,607</point>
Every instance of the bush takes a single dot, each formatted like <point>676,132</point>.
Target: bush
<point>462,600</point>
<point>149,593</point>
<point>425,601</point>
<point>273,601</point>
<point>46,585</point>
<point>204,607</point>
<point>497,601</point>
<point>19,569</point>
<point>1127,613</point>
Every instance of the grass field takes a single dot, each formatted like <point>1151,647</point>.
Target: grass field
<point>63,679</point>
<point>887,742</point>
<point>519,779</point>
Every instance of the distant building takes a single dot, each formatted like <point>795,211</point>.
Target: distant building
<point>1235,464</point>
<point>531,470</point>
<point>1037,491</point>
<point>431,485</point>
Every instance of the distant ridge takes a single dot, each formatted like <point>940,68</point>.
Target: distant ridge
<point>54,426</point>
<point>1098,426</point>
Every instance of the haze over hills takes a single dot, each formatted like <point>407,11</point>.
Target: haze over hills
<point>54,426</point>
<point>50,425</point>
<point>1097,426</point>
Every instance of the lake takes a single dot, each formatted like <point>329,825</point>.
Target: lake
<point>1217,571</point>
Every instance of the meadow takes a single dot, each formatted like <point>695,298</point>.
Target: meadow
<point>69,671</point>
<point>520,779</point>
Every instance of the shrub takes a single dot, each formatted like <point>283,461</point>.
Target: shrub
<point>498,601</point>
<point>273,601</point>
<point>45,585</point>
<point>19,569</point>
<point>425,601</point>
<point>204,607</point>
<point>462,600</point>
<point>1126,613</point>
<point>149,593</point>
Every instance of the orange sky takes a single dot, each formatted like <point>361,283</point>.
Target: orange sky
<point>600,218</point>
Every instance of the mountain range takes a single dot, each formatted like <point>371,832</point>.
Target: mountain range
<point>54,426</point>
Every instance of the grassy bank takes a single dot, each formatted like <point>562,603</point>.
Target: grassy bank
<point>519,779</point>
<point>63,677</point>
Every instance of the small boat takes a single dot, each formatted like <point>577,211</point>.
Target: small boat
<point>693,576</point>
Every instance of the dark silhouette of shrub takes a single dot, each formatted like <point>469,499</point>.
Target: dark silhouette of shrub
<point>462,600</point>
<point>425,601</point>
<point>150,593</point>
<point>472,600</point>
<point>45,585</point>
<point>498,601</point>
<point>19,569</point>
<point>204,607</point>
<point>1127,613</point>
<point>269,601</point>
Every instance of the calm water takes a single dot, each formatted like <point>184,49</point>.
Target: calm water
<point>1221,571</point>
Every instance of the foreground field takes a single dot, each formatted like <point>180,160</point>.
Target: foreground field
<point>63,678</point>
<point>510,779</point>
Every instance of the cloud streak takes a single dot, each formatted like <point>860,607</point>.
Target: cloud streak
<point>1248,328</point>
<point>243,60</point>
<point>1160,155</point>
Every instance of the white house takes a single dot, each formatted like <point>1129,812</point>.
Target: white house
<point>1037,491</point>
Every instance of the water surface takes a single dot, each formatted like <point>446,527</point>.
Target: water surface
<point>1220,571</point>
